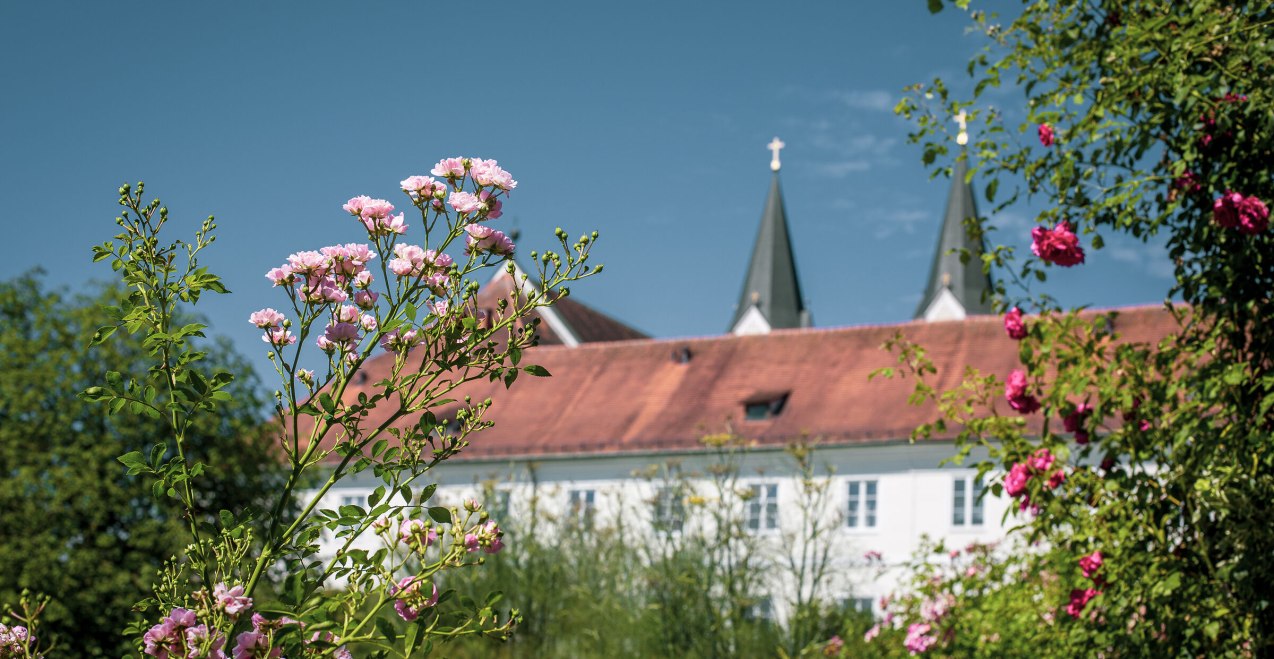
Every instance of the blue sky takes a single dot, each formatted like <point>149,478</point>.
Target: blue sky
<point>645,121</point>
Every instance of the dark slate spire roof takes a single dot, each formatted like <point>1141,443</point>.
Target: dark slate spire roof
<point>771,283</point>
<point>966,281</point>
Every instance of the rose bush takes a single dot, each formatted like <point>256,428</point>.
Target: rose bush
<point>347,302</point>
<point>1142,469</point>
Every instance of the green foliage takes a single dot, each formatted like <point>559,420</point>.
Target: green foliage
<point>1158,108</point>
<point>73,525</point>
<point>678,575</point>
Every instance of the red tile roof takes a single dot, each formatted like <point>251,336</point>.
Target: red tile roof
<point>582,323</point>
<point>642,396</point>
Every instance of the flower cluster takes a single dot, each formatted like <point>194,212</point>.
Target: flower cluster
<point>180,635</point>
<point>919,640</point>
<point>1015,392</point>
<point>486,536</point>
<point>410,602</point>
<point>258,643</point>
<point>1059,245</point>
<point>483,239</point>
<point>375,215</point>
<point>1021,473</point>
<point>417,535</point>
<point>1235,211</point>
<point>14,641</point>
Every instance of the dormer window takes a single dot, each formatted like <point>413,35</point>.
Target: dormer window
<point>762,406</point>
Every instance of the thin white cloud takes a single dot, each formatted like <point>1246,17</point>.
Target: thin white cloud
<point>873,100</point>
<point>841,168</point>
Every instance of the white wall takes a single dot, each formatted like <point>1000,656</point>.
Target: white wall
<point>914,498</point>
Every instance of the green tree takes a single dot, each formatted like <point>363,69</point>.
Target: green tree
<point>1145,119</point>
<point>73,525</point>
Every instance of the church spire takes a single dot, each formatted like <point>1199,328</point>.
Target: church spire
<point>955,290</point>
<point>771,296</point>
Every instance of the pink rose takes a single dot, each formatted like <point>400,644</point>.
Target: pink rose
<point>1056,479</point>
<point>1013,325</point>
<point>1059,245</point>
<point>918,639</point>
<point>489,173</point>
<point>266,318</point>
<point>1015,393</point>
<point>464,202</point>
<point>1046,135</point>
<point>1248,214</point>
<point>1041,460</point>
<point>1080,599</point>
<point>1090,564</point>
<point>1015,482</point>
<point>485,239</point>
<point>451,168</point>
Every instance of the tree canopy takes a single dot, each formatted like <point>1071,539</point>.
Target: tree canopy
<point>73,525</point>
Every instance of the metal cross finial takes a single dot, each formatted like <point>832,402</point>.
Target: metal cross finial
<point>775,146</point>
<point>963,137</point>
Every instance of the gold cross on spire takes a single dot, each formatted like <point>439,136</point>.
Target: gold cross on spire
<point>775,146</point>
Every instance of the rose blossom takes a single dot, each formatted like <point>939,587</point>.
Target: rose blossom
<point>1013,325</point>
<point>410,603</point>
<point>1247,214</point>
<point>279,338</point>
<point>1046,135</point>
<point>485,239</point>
<point>1059,245</point>
<point>464,202</point>
<point>1015,482</point>
<point>1080,599</point>
<point>451,168</point>
<point>1056,479</point>
<point>1041,460</point>
<point>266,318</point>
<point>1091,563</point>
<point>918,640</point>
<point>489,173</point>
<point>1015,393</point>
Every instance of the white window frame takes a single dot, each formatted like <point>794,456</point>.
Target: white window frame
<point>763,507</point>
<point>968,505</point>
<point>581,502</point>
<point>862,503</point>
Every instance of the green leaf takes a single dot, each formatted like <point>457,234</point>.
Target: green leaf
<point>134,460</point>
<point>440,514</point>
<point>412,639</point>
<point>537,371</point>
<point>103,333</point>
<point>935,6</point>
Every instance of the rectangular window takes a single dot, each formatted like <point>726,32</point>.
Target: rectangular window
<point>763,507</point>
<point>857,604</point>
<point>966,501</point>
<point>861,510</point>
<point>670,510</point>
<point>352,500</point>
<point>582,503</point>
